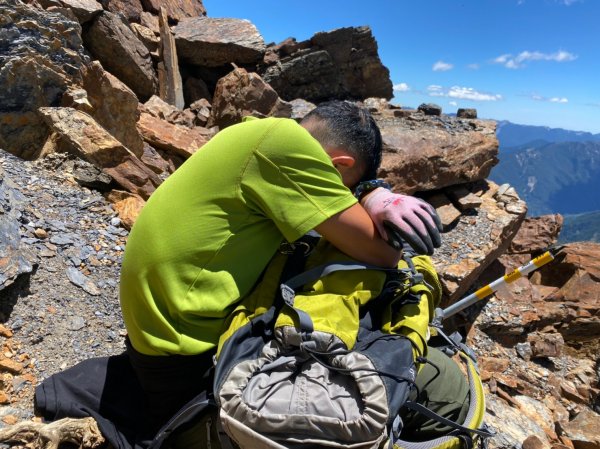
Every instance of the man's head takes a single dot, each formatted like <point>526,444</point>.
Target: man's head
<point>350,136</point>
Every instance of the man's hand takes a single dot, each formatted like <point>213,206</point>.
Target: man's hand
<point>402,217</point>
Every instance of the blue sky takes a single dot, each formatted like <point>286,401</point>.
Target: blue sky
<point>533,62</point>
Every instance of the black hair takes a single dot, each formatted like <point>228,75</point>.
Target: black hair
<point>346,125</point>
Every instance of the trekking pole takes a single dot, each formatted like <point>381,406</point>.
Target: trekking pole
<point>489,289</point>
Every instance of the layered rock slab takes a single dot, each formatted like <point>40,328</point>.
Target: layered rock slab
<point>41,55</point>
<point>214,42</point>
<point>424,153</point>
<point>93,143</point>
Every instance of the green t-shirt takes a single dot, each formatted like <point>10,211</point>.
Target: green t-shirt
<point>206,234</point>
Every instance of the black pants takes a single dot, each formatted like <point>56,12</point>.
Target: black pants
<point>131,395</point>
<point>169,382</point>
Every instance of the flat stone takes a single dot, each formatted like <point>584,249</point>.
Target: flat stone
<point>213,42</point>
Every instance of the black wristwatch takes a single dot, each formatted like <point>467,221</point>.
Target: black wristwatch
<point>368,186</point>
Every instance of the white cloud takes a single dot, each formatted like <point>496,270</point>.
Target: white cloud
<point>464,93</point>
<point>568,2</point>
<point>515,62</point>
<point>550,100</point>
<point>442,66</point>
<point>453,103</point>
<point>473,66</point>
<point>401,87</point>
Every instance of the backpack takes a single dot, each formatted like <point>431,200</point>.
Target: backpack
<point>324,352</point>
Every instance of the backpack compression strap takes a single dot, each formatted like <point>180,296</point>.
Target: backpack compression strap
<point>288,289</point>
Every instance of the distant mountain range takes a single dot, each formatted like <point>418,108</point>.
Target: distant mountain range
<point>555,171</point>
<point>514,135</point>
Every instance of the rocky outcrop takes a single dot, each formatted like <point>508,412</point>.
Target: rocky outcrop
<point>424,153</point>
<point>339,64</point>
<point>88,140</point>
<point>110,39</point>
<point>242,93</point>
<point>41,56</point>
<point>215,42</point>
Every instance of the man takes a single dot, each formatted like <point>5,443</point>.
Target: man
<point>207,233</point>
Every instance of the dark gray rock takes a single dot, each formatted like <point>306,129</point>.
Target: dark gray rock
<point>466,113</point>
<point>15,258</point>
<point>37,48</point>
<point>339,64</point>
<point>430,109</point>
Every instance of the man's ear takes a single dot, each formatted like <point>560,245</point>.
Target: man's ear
<point>345,161</point>
<point>341,158</point>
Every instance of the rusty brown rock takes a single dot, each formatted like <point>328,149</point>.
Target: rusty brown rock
<point>445,209</point>
<point>421,154</point>
<point>339,64</point>
<point>127,205</point>
<point>244,93</point>
<point>170,84</point>
<point>114,106</point>
<point>176,9</point>
<point>215,42</point>
<point>463,198</point>
<point>10,366</point>
<point>176,139</point>
<point>54,62</point>
<point>537,234</point>
<point>583,430</point>
<point>93,143</point>
<point>116,46</point>
<point>131,9</point>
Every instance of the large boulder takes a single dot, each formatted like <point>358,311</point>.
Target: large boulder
<point>243,93</point>
<point>212,42</point>
<point>41,55</point>
<point>339,64</point>
<point>87,139</point>
<point>114,106</point>
<point>425,153</point>
<point>111,40</point>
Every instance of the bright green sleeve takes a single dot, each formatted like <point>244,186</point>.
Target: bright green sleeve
<point>291,180</point>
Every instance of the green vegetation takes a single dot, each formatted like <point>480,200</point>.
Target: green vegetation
<point>581,227</point>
